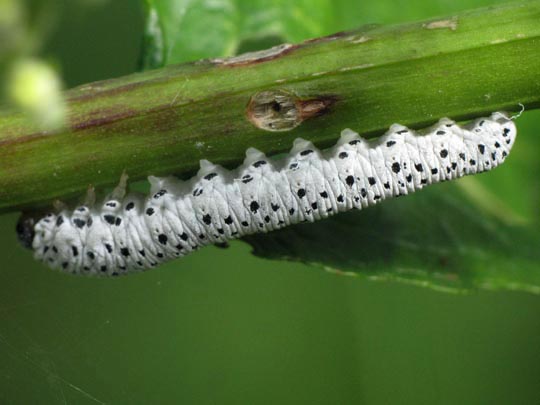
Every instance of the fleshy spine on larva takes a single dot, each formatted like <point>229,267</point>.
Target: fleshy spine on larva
<point>135,232</point>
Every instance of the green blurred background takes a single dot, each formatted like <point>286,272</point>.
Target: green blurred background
<point>222,326</point>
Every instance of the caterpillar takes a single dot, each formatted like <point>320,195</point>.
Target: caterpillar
<point>135,232</point>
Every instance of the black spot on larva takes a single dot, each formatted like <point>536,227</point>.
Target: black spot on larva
<point>462,156</point>
<point>118,221</point>
<point>314,205</point>
<point>354,142</point>
<point>159,194</point>
<point>160,255</point>
<point>267,219</point>
<point>396,167</point>
<point>448,169</point>
<point>301,192</point>
<point>508,141</point>
<point>75,251</point>
<point>324,194</point>
<point>472,162</point>
<point>86,268</point>
<point>481,123</point>
<point>343,155</point>
<point>201,236</point>
<point>142,253</point>
<point>59,220</point>
<point>443,153</point>
<point>390,143</point>
<point>497,145</point>
<point>291,211</point>
<point>259,163</point>
<point>150,211</point>
<point>139,263</point>
<point>197,192</point>
<point>340,198</point>
<point>124,251</point>
<point>329,209</point>
<point>409,178</point>
<point>162,238</point>
<point>81,209</point>
<point>91,255</point>
<point>79,223</point>
<point>246,179</point>
<point>419,167</point>
<point>103,269</point>
<point>494,155</point>
<point>403,131</point>
<point>64,265</point>
<point>109,219</point>
<point>356,199</point>
<point>111,204</point>
<point>293,166</point>
<point>506,131</point>
<point>244,223</point>
<point>504,154</point>
<point>377,197</point>
<point>363,193</point>
<point>481,148</point>
<point>210,176</point>
<point>179,247</point>
<point>349,180</point>
<point>89,222</point>
<point>261,225</point>
<point>434,171</point>
<point>371,181</point>
<point>207,219</point>
<point>228,220</point>
<point>45,249</point>
<point>275,207</point>
<point>130,205</point>
<point>440,132</point>
<point>184,236</point>
<point>108,247</point>
<point>254,206</point>
<point>423,181</point>
<point>386,185</point>
<point>454,165</point>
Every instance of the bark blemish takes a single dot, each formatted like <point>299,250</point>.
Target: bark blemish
<point>451,23</point>
<point>280,110</point>
<point>251,58</point>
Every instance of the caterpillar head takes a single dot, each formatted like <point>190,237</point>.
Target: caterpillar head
<point>25,231</point>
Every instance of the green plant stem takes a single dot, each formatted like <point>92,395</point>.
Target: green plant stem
<point>163,121</point>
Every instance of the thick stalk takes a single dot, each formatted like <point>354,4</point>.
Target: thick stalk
<point>163,121</point>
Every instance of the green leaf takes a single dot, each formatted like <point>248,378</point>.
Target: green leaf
<point>478,232</point>
<point>185,30</point>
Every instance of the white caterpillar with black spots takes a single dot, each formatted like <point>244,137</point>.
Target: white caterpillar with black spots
<point>135,232</point>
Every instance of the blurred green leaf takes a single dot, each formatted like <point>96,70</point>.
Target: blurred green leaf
<point>478,232</point>
<point>185,30</point>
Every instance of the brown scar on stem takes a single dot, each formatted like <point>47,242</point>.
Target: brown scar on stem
<point>251,58</point>
<point>280,110</point>
<point>448,23</point>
